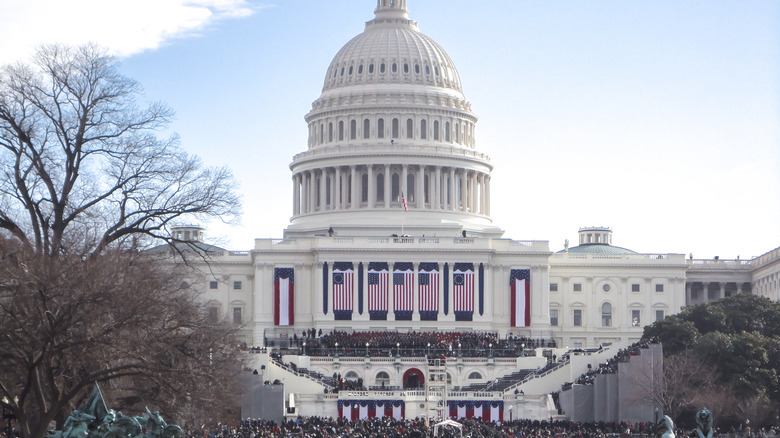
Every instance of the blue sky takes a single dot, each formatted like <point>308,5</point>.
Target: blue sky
<point>660,119</point>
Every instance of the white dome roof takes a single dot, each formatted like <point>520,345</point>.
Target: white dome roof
<point>392,50</point>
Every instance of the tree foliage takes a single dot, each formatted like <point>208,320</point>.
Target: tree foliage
<point>738,337</point>
<point>82,164</point>
<point>86,183</point>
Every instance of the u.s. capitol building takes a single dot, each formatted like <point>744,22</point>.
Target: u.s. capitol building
<point>391,228</point>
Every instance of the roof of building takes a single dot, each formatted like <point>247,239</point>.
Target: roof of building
<point>598,248</point>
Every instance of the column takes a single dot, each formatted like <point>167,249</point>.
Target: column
<point>387,186</point>
<point>688,298</point>
<point>437,188</point>
<point>705,289</point>
<point>404,187</point>
<point>354,199</point>
<point>371,187</point>
<point>722,293</point>
<point>463,190</point>
<point>482,204</point>
<point>296,199</point>
<point>310,191</point>
<point>339,185</point>
<point>453,202</point>
<point>487,196</point>
<point>473,192</point>
<point>419,189</point>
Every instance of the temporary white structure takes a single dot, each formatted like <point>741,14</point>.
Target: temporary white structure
<point>447,422</point>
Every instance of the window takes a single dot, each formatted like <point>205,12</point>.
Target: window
<point>659,287</point>
<point>578,317</point>
<point>423,129</point>
<point>380,187</point>
<point>554,317</point>
<point>350,70</point>
<point>382,67</point>
<point>417,69</point>
<point>213,284</point>
<point>353,129</point>
<point>406,68</point>
<point>330,131</point>
<point>606,315</point>
<point>694,294</point>
<point>341,130</point>
<point>237,285</point>
<point>395,68</point>
<point>475,376</point>
<point>360,69</point>
<point>409,187</point>
<point>713,294</point>
<point>380,128</point>
<point>635,287</point>
<point>409,128</point>
<point>577,287</point>
<point>351,376</point>
<point>395,128</point>
<point>553,287</point>
<point>364,187</point>
<point>447,131</point>
<point>370,68</point>
<point>606,287</point>
<point>635,318</point>
<point>659,315</point>
<point>382,379</point>
<point>213,314</point>
<point>435,129</point>
<point>236,315</point>
<point>366,128</point>
<point>395,187</point>
<point>428,70</point>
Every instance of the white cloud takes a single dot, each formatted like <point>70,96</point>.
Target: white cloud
<point>124,27</point>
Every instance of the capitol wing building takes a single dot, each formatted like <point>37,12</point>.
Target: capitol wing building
<point>391,232</point>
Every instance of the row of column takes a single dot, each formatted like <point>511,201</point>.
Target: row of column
<point>706,287</point>
<point>334,188</point>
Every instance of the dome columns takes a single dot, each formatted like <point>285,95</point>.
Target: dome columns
<point>379,186</point>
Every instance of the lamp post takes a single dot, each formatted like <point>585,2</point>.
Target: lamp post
<point>428,353</point>
<point>459,354</point>
<point>491,349</point>
<point>510,414</point>
<point>304,348</point>
<point>398,349</point>
<point>337,349</point>
<point>522,349</point>
<point>367,355</point>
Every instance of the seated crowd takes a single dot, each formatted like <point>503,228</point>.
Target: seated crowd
<point>316,427</point>
<point>431,344</point>
<point>611,366</point>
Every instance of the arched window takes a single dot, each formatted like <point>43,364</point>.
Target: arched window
<point>447,132</point>
<point>350,70</point>
<point>382,67</point>
<point>475,376</point>
<point>409,187</point>
<point>322,133</point>
<point>425,188</point>
<point>395,128</point>
<point>351,376</point>
<point>371,68</point>
<point>366,128</point>
<point>409,128</point>
<point>423,129</point>
<point>382,379</point>
<point>364,188</point>
<point>353,129</point>
<point>395,68</point>
<point>380,128</point>
<point>435,129</point>
<point>330,131</point>
<point>380,187</point>
<point>606,315</point>
<point>395,187</point>
<point>406,68</point>
<point>457,133</point>
<point>341,130</point>
<point>360,69</point>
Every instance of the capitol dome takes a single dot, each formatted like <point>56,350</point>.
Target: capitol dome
<point>391,141</point>
<point>392,51</point>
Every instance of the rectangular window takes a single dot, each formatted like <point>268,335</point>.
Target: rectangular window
<point>659,287</point>
<point>553,287</point>
<point>659,315</point>
<point>712,294</point>
<point>577,317</point>
<point>694,294</point>
<point>213,284</point>
<point>635,287</point>
<point>635,318</point>
<point>237,285</point>
<point>236,315</point>
<point>554,317</point>
<point>577,287</point>
<point>213,315</point>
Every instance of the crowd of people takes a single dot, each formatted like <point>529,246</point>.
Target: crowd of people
<point>317,427</point>
<point>611,365</point>
<point>385,343</point>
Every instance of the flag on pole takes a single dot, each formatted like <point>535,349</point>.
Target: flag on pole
<point>520,284</point>
<point>284,296</point>
<point>403,201</point>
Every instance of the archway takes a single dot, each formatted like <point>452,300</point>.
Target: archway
<point>413,379</point>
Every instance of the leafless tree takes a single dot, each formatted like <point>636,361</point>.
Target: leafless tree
<point>82,165</point>
<point>86,183</point>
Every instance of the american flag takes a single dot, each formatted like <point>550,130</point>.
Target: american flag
<point>520,297</point>
<point>428,279</point>
<point>463,287</point>
<point>403,287</point>
<point>284,296</point>
<point>343,281</point>
<point>403,201</point>
<point>378,280</point>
